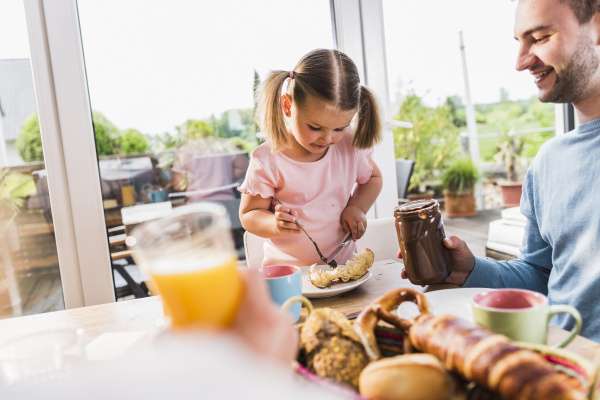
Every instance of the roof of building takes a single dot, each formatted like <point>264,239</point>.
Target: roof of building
<point>16,95</point>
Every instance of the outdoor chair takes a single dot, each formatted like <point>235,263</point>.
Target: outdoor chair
<point>404,170</point>
<point>126,276</point>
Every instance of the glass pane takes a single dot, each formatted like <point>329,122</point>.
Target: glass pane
<point>427,86</point>
<point>30,281</point>
<point>172,91</point>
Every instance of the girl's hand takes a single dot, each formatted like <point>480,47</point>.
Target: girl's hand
<point>354,221</point>
<point>285,218</point>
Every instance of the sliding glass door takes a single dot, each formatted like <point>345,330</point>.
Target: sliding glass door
<point>30,279</point>
<point>146,104</point>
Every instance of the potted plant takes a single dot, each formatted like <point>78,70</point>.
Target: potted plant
<point>510,152</point>
<point>14,189</point>
<point>459,181</point>
<point>430,143</point>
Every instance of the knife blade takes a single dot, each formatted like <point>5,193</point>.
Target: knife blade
<point>340,247</point>
<point>353,315</point>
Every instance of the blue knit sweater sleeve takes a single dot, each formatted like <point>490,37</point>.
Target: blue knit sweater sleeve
<point>532,268</point>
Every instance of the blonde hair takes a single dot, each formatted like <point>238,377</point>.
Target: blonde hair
<point>327,75</point>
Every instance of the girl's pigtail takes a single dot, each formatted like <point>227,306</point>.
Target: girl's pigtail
<point>269,113</point>
<point>368,125</point>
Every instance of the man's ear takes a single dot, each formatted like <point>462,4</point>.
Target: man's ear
<point>596,27</point>
<point>286,104</point>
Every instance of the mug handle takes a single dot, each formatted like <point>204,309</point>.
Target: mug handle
<point>559,309</point>
<point>288,303</point>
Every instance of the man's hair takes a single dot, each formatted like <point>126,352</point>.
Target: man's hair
<point>584,10</point>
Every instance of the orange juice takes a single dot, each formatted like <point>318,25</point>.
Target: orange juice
<point>204,291</point>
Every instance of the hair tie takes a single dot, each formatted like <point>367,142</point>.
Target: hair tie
<point>292,74</point>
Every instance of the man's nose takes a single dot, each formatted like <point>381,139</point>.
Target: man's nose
<point>525,58</point>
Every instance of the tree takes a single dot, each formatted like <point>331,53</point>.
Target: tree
<point>457,109</point>
<point>109,139</point>
<point>29,141</point>
<point>132,141</point>
<point>504,113</point>
<point>107,135</point>
<point>543,113</point>
<point>195,129</point>
<point>430,143</point>
<point>14,189</point>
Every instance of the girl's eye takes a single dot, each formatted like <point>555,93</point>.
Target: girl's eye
<point>314,128</point>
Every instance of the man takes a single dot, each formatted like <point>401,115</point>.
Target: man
<point>559,44</point>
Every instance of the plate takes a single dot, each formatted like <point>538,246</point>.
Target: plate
<point>448,301</point>
<point>312,292</point>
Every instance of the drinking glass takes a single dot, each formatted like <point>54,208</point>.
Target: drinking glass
<point>41,356</point>
<point>190,260</point>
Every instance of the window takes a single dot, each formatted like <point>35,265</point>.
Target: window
<point>171,88</point>
<point>425,66</point>
<point>30,279</point>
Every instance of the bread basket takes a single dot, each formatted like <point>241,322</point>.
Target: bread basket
<point>391,342</point>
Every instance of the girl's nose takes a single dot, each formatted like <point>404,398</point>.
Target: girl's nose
<point>327,137</point>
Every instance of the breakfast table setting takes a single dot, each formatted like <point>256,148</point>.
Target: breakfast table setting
<point>118,331</point>
<point>362,331</point>
<point>140,319</point>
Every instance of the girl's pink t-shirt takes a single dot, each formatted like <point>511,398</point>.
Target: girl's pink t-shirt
<point>319,191</point>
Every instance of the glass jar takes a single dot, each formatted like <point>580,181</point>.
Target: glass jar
<point>421,233</point>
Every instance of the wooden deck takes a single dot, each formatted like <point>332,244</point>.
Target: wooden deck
<point>473,230</point>
<point>41,291</point>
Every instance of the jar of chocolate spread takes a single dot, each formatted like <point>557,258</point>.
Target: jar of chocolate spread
<point>420,234</point>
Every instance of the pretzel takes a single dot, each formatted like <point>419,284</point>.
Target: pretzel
<point>482,356</point>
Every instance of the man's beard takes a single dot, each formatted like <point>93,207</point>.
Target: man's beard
<point>574,78</point>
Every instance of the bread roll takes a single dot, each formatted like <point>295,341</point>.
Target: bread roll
<point>406,377</point>
<point>332,349</point>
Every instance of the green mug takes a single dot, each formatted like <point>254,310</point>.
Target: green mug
<point>520,314</point>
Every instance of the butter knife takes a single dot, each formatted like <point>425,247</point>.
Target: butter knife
<point>331,258</point>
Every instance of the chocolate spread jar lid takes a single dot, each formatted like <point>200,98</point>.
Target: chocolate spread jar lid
<point>415,206</point>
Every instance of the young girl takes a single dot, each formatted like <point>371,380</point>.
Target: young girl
<point>312,160</point>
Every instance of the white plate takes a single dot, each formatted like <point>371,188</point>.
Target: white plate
<point>448,301</point>
<point>312,292</point>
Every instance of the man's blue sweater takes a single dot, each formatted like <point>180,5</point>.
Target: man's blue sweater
<point>560,256</point>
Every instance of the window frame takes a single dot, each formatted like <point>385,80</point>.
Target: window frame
<point>69,152</point>
<point>366,46</point>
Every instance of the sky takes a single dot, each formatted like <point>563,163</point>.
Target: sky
<point>423,53</point>
<point>153,64</point>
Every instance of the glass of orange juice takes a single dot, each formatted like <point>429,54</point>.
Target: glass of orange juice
<point>190,259</point>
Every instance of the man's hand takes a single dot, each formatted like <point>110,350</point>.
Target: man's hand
<point>463,261</point>
<point>354,221</point>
